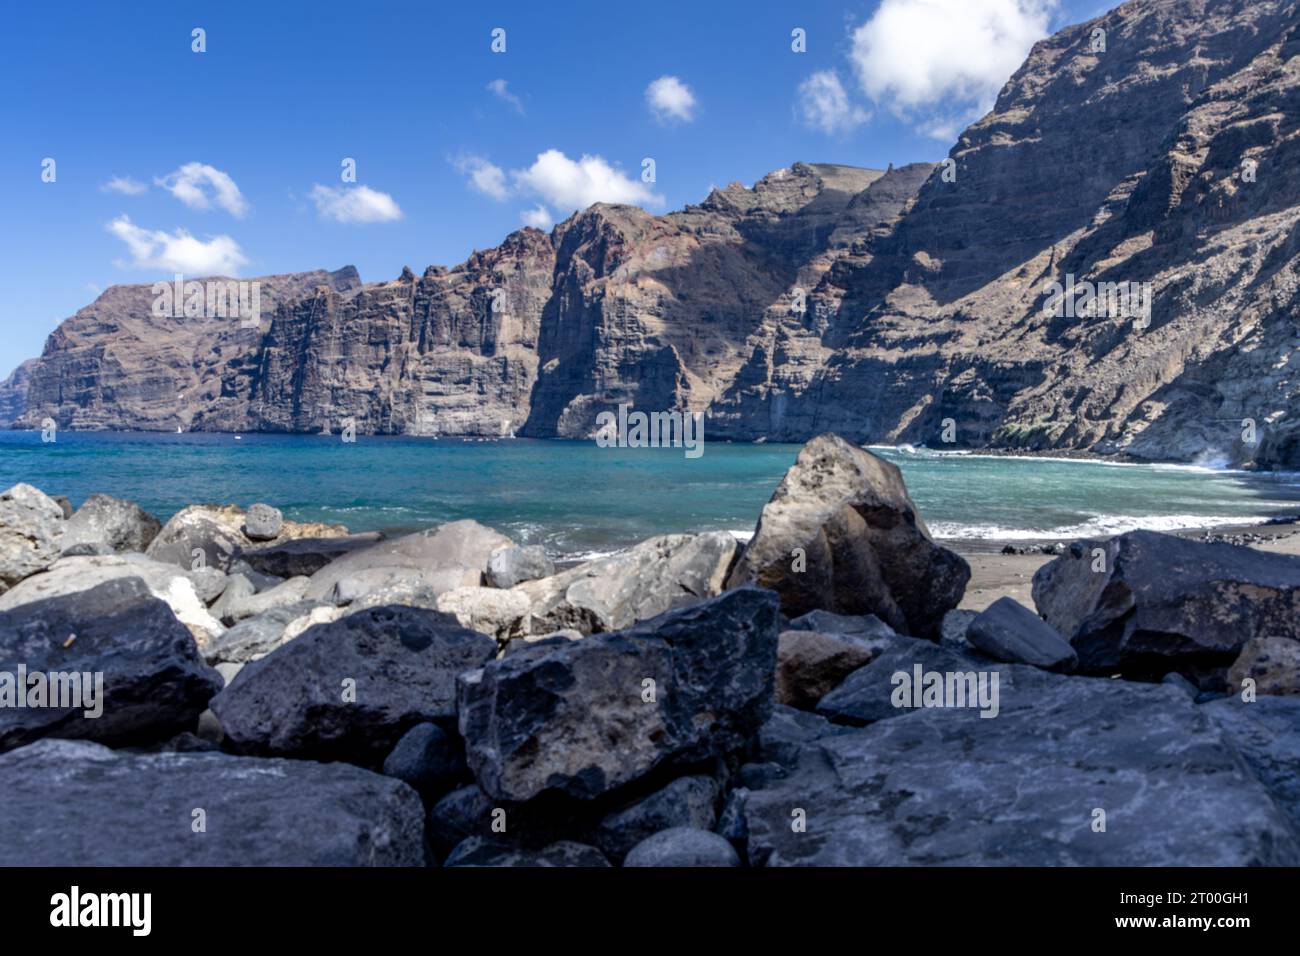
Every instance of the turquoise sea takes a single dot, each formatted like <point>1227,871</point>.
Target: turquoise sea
<point>579,499</point>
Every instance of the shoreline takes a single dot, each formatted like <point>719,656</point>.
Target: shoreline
<point>1046,454</point>
<point>996,575</point>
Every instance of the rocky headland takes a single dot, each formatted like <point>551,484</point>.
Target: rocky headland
<point>279,693</point>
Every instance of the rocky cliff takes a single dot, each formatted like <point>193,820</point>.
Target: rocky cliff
<point>13,393</point>
<point>1154,148</point>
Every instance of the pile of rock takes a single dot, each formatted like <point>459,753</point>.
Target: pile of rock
<point>817,697</point>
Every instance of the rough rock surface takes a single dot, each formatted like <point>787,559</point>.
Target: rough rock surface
<point>31,533</point>
<point>1157,602</point>
<point>452,555</point>
<point>263,522</point>
<point>511,566</point>
<point>257,636</point>
<point>67,576</point>
<point>614,592</point>
<point>580,718</point>
<point>1008,631</point>
<point>106,522</point>
<point>683,846</point>
<point>686,802</point>
<point>479,851</point>
<point>13,393</point>
<point>154,683</point>
<point>943,786</point>
<point>841,534</point>
<point>256,812</point>
<point>1266,732</point>
<point>304,556</point>
<point>429,758</point>
<point>1273,663</point>
<point>809,665</point>
<point>350,689</point>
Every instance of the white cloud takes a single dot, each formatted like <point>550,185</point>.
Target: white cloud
<point>356,204</point>
<point>670,98</point>
<point>124,185</point>
<point>177,251</point>
<point>498,89</point>
<point>826,105</point>
<point>538,218</point>
<point>567,184</point>
<point>941,63</point>
<point>484,176</point>
<point>192,183</point>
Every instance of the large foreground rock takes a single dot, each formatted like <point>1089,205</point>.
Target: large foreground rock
<point>350,689</point>
<point>841,534</point>
<point>166,582</point>
<point>154,683</point>
<point>944,786</point>
<point>583,717</point>
<point>1273,663</point>
<point>1149,602</point>
<point>107,525</point>
<point>449,556</point>
<point>617,591</point>
<point>1266,732</point>
<point>31,533</point>
<point>80,804</point>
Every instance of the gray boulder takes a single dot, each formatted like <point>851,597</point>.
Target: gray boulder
<point>79,804</point>
<point>479,851</point>
<point>1266,732</point>
<point>585,717</point>
<point>944,786</point>
<point>429,758</point>
<point>168,583</point>
<point>154,683</point>
<point>1273,663</point>
<point>452,555</point>
<point>350,689</point>
<point>241,600</point>
<point>107,525</point>
<point>868,694</point>
<point>464,812</point>
<point>258,636</point>
<point>685,802</point>
<point>683,846</point>
<point>1151,603</point>
<point>617,591</point>
<point>262,522</point>
<point>810,665</point>
<point>1008,631</point>
<point>31,533</point>
<point>305,556</point>
<point>511,566</point>
<point>841,534</point>
<point>197,536</point>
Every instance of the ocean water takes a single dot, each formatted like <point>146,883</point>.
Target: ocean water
<point>578,499</point>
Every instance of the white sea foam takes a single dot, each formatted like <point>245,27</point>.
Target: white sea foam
<point>1099,526</point>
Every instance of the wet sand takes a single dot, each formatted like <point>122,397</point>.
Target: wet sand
<point>995,575</point>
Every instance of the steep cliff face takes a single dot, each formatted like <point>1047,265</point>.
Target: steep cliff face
<point>13,393</point>
<point>1132,164</point>
<point>1155,148</point>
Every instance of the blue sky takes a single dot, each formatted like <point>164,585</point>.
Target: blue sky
<point>233,156</point>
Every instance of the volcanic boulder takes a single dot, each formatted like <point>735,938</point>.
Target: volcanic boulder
<point>584,717</point>
<point>841,534</point>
